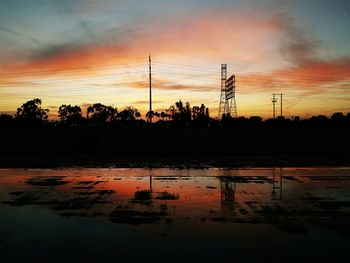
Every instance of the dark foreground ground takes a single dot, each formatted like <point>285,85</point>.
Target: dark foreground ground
<point>173,147</point>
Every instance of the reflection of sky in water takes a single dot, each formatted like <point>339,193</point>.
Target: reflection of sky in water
<point>43,208</point>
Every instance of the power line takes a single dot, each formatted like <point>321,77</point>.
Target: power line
<point>243,77</point>
<point>44,81</point>
<point>258,74</point>
<point>71,69</point>
<point>187,66</point>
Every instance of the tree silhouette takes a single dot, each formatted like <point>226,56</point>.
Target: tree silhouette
<point>338,116</point>
<point>296,119</point>
<point>180,114</point>
<point>164,115</point>
<point>319,121</point>
<point>255,121</point>
<point>70,115</point>
<point>157,115</point>
<point>152,114</point>
<point>177,115</point>
<point>200,116</point>
<point>101,115</point>
<point>129,114</point>
<point>338,119</point>
<point>31,112</point>
<point>226,120</point>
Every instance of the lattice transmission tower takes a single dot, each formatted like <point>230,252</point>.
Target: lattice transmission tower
<point>227,103</point>
<point>223,104</point>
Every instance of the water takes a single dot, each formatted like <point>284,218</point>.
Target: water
<point>100,215</point>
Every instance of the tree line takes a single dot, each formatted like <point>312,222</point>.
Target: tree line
<point>179,115</point>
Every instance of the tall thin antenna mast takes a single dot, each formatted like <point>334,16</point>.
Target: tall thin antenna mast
<point>150,87</point>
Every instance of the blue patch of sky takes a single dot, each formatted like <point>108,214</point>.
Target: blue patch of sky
<point>40,23</point>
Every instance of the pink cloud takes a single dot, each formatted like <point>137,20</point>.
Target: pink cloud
<point>220,34</point>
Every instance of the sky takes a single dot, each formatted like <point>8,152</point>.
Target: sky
<point>82,51</point>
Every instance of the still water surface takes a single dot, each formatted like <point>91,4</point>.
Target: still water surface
<point>111,215</point>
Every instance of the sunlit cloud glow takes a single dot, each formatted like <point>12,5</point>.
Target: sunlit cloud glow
<point>99,53</point>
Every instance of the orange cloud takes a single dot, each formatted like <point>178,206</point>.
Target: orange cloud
<point>167,85</point>
<point>310,76</point>
<point>220,34</point>
<point>247,42</point>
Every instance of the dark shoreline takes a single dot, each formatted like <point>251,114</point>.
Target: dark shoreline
<point>173,148</point>
<point>187,162</point>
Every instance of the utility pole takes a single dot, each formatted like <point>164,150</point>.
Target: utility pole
<point>150,87</point>
<point>274,100</point>
<point>281,104</point>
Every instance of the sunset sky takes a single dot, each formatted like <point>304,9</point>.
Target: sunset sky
<point>81,52</point>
